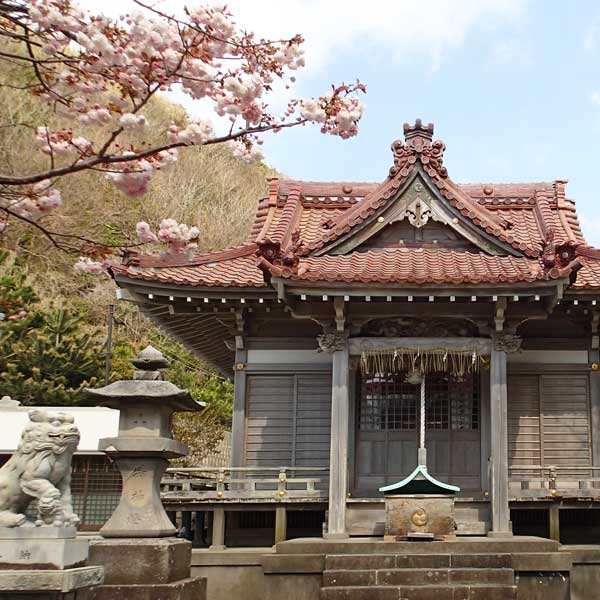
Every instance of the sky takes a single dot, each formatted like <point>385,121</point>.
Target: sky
<point>512,86</point>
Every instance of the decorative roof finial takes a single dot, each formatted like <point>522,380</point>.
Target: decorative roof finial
<point>417,145</point>
<point>150,359</point>
<point>149,362</point>
<point>418,130</point>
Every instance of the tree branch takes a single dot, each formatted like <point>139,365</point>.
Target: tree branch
<point>117,158</point>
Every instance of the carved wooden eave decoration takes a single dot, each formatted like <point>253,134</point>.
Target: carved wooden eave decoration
<point>418,190</point>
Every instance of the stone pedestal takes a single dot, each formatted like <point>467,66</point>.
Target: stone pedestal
<point>45,563</point>
<point>41,584</point>
<point>148,569</point>
<point>427,515</point>
<point>41,548</point>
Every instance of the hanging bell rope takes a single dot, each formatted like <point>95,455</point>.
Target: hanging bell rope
<point>458,362</point>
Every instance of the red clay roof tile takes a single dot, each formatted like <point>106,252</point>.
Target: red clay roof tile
<point>419,266</point>
<point>520,214</point>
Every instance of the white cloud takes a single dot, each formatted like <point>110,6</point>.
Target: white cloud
<point>590,40</point>
<point>513,53</point>
<point>594,97</point>
<point>403,27</point>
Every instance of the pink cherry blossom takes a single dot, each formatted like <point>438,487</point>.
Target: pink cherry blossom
<point>100,74</point>
<point>144,232</point>
<point>86,265</point>
<point>248,153</point>
<point>133,122</point>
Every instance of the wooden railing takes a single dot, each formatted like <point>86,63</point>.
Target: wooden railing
<point>213,488</point>
<point>554,480</point>
<point>209,484</point>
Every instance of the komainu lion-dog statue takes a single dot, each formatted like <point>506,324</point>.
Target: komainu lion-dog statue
<point>40,469</point>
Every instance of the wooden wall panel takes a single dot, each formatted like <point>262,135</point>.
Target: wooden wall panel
<point>288,419</point>
<point>549,422</point>
<point>565,410</point>
<point>313,420</point>
<point>524,434</point>
<point>269,420</point>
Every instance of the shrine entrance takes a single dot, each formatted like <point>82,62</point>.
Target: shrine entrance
<point>387,428</point>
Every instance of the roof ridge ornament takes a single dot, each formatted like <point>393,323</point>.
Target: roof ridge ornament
<point>417,145</point>
<point>273,259</point>
<point>418,130</point>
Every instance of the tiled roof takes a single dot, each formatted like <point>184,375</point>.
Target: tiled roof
<point>589,275</point>
<point>419,266</point>
<point>235,267</point>
<point>520,215</point>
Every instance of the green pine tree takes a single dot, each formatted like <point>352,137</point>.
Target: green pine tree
<point>47,356</point>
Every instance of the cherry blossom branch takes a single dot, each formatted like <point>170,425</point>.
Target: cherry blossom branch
<point>101,72</point>
<point>119,158</point>
<point>52,235</point>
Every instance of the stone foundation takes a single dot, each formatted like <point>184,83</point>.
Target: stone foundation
<point>479,567</point>
<point>145,569</point>
<point>48,584</point>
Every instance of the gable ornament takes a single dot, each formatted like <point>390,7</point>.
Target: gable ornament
<point>418,213</point>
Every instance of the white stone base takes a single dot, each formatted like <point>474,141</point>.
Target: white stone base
<point>31,532</point>
<point>36,553</point>
<point>50,581</point>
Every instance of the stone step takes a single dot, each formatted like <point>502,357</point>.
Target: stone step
<point>416,561</point>
<point>395,577</point>
<point>431,592</point>
<point>475,545</point>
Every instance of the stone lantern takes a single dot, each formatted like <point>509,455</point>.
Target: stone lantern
<point>143,446</point>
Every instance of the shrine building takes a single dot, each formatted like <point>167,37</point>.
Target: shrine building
<point>348,302</point>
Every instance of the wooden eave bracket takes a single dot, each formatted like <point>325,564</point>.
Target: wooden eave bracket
<point>340,317</point>
<point>499,313</point>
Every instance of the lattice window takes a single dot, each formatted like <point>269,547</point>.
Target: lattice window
<point>464,397</point>
<point>96,488</point>
<point>436,401</point>
<point>387,402</point>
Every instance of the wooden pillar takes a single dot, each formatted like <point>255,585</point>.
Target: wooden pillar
<point>280,524</point>
<point>338,457</point>
<point>500,513</point>
<point>554,522</point>
<point>218,529</point>
<point>238,426</point>
<point>186,524</point>
<point>594,358</point>
<point>198,540</point>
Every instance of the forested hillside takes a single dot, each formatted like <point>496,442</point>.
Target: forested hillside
<point>66,311</point>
